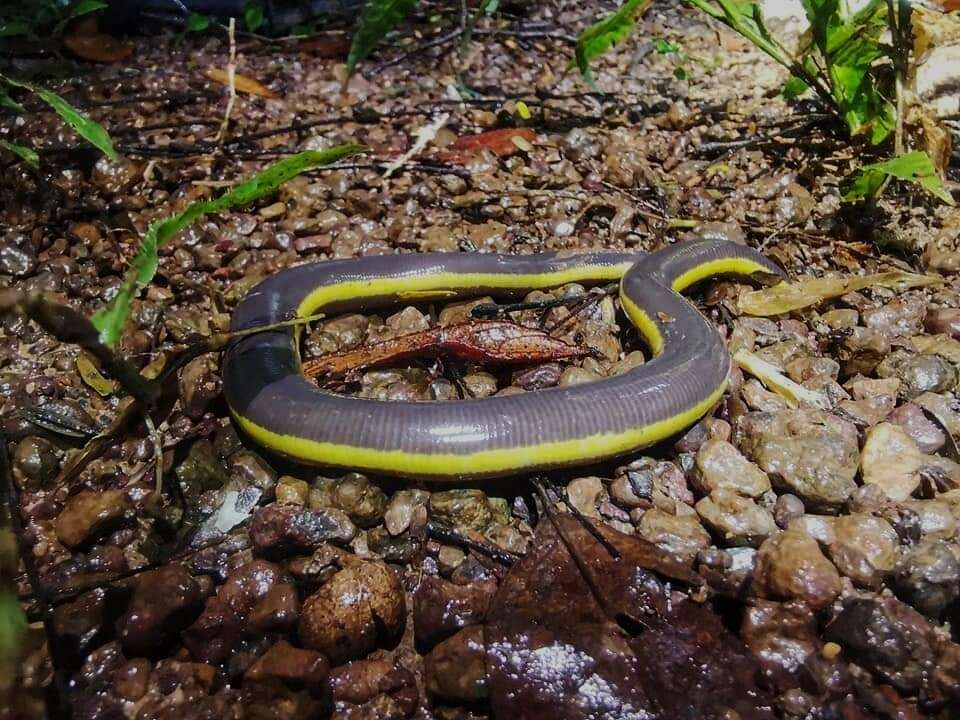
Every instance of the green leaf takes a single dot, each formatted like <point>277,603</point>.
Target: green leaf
<point>603,35</point>
<point>914,167</point>
<point>665,47</point>
<point>197,23</point>
<point>111,320</point>
<point>13,625</point>
<point>253,15</point>
<point>488,7</point>
<point>794,87</point>
<point>90,130</point>
<point>379,18</point>
<point>78,9</point>
<point>8,102</point>
<point>27,154</point>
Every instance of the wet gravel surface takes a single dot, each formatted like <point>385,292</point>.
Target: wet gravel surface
<point>251,587</point>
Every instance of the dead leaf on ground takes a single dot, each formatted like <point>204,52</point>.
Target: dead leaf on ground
<point>589,636</point>
<point>479,341</point>
<point>326,46</point>
<point>786,297</point>
<point>84,40</point>
<point>243,83</point>
<point>502,143</point>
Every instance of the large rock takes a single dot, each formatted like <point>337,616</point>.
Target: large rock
<point>810,453</point>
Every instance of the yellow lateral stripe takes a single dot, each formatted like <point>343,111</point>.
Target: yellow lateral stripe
<point>411,286</point>
<point>644,323</point>
<point>482,462</point>
<point>721,266</point>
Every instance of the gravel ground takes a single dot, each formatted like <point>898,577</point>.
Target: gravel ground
<point>815,550</point>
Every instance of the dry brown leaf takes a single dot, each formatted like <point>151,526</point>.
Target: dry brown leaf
<point>786,297</point>
<point>86,42</point>
<point>243,83</point>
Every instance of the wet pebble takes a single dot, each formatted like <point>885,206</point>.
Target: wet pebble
<point>292,491</point>
<point>735,519</point>
<point>790,566</point>
<point>296,667</point>
<point>918,373</point>
<point>811,454</point>
<point>164,602</point>
<point>35,463</point>
<point>585,494</point>
<point>891,460</point>
<point>680,535</point>
<point>401,509</point>
<point>441,608</point>
<point>864,548</point>
<point>786,509</point>
<point>720,465</point>
<point>250,469</point>
<point>199,385</point>
<point>928,577</point>
<point>277,529</point>
<point>456,670</point>
<point>783,636</point>
<point>359,607</point>
<point>480,384</point>
<point>903,655</point>
<point>89,515</point>
<point>462,508</point>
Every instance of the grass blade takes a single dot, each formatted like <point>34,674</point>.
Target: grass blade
<point>90,130</point>
<point>379,18</point>
<point>111,320</point>
<point>603,35</point>
<point>27,154</point>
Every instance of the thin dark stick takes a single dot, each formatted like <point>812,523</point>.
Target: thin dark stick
<point>446,534</point>
<point>10,510</point>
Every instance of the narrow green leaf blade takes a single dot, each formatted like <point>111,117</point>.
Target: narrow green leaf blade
<point>27,154</point>
<point>90,130</point>
<point>111,320</point>
<point>606,33</point>
<point>379,18</point>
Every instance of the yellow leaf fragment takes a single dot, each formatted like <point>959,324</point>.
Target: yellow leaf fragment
<point>93,377</point>
<point>785,297</point>
<point>775,381</point>
<point>242,83</point>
